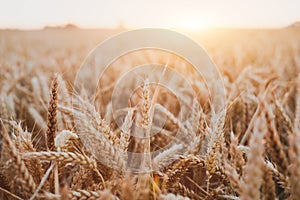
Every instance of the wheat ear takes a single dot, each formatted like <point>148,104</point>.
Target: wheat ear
<point>51,118</point>
<point>23,172</point>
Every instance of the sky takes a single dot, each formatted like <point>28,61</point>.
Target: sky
<point>32,14</point>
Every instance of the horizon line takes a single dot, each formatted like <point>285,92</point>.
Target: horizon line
<point>125,27</point>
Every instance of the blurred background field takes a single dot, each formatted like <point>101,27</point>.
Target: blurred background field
<point>231,49</point>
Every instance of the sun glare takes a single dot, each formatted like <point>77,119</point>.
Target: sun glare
<point>194,24</point>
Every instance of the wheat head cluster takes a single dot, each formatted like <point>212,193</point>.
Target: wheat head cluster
<point>56,143</point>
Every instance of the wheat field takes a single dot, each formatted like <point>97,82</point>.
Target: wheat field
<point>58,144</point>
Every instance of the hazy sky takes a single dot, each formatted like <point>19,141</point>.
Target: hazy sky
<point>152,13</point>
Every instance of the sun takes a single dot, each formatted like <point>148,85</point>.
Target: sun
<point>194,24</point>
